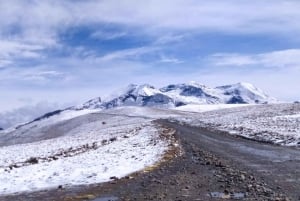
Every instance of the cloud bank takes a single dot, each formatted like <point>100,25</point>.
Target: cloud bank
<point>25,114</point>
<point>70,51</point>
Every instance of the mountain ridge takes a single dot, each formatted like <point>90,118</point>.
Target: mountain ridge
<point>172,96</point>
<point>176,95</point>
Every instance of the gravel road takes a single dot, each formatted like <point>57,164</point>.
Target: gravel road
<point>212,166</point>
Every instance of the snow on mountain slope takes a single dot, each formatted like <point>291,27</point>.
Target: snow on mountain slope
<point>192,93</point>
<point>46,120</point>
<point>91,104</point>
<point>140,95</point>
<point>98,148</point>
<point>178,95</point>
<point>171,96</point>
<point>93,147</point>
<point>244,93</point>
<point>276,123</point>
<point>60,124</point>
<point>145,112</point>
<point>207,107</point>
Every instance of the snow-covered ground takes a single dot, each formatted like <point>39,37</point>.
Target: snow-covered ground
<point>62,116</point>
<point>207,107</point>
<point>277,123</point>
<point>92,152</point>
<point>92,146</point>
<point>146,112</point>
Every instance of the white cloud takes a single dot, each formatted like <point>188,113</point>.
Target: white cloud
<point>4,62</point>
<point>12,50</point>
<point>44,76</point>
<point>284,58</point>
<point>128,53</point>
<point>277,72</point>
<point>222,59</point>
<point>10,47</point>
<point>28,28</point>
<point>48,17</point>
<point>289,58</point>
<point>26,113</point>
<point>108,35</point>
<point>282,84</point>
<point>35,76</point>
<point>169,38</point>
<point>165,59</point>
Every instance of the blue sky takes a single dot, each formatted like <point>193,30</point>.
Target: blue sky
<point>66,51</point>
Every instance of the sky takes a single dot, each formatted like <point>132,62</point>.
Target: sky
<point>68,51</point>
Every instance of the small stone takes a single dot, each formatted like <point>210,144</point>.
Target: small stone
<point>114,178</point>
<point>243,177</point>
<point>226,191</point>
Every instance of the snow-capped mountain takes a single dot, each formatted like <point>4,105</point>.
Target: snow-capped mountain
<point>176,95</point>
<point>244,93</point>
<point>133,95</point>
<point>192,93</point>
<point>91,104</point>
<point>172,96</point>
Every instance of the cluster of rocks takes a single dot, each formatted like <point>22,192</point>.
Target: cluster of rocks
<point>195,174</point>
<point>72,151</point>
<point>229,178</point>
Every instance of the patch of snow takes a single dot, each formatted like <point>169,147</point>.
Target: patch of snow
<point>287,116</point>
<point>63,116</point>
<point>145,112</point>
<point>207,107</point>
<point>276,123</point>
<point>100,154</point>
<point>70,114</point>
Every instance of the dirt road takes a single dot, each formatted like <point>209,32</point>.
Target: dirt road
<point>278,166</point>
<point>213,166</point>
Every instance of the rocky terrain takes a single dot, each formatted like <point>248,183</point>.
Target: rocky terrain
<point>197,170</point>
<point>272,123</point>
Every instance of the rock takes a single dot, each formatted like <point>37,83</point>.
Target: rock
<point>219,164</point>
<point>243,177</point>
<point>114,178</point>
<point>128,177</point>
<point>226,191</point>
<point>32,160</point>
<point>112,139</point>
<point>251,178</point>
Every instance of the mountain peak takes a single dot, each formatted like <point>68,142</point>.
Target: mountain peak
<point>247,85</point>
<point>91,104</point>
<point>173,95</point>
<point>244,92</point>
<point>196,84</point>
<point>141,90</point>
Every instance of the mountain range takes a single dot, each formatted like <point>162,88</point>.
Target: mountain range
<point>172,96</point>
<point>176,95</point>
